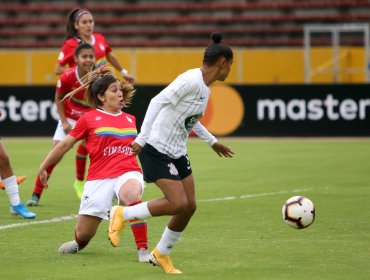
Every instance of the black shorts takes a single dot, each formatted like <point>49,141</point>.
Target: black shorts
<point>156,165</point>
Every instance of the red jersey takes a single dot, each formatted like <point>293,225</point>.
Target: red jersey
<point>74,107</point>
<point>101,49</point>
<point>108,138</point>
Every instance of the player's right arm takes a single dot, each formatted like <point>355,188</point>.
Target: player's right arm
<point>65,57</point>
<point>62,114</point>
<point>60,91</point>
<point>59,69</point>
<point>54,156</point>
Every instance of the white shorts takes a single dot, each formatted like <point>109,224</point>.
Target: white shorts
<point>98,195</point>
<point>59,134</point>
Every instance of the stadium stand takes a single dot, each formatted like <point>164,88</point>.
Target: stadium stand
<point>144,23</point>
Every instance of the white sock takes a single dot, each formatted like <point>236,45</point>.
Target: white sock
<point>168,240</point>
<point>138,212</point>
<point>11,188</point>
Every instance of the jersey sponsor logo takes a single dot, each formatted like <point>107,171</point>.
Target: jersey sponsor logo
<point>113,150</point>
<point>191,121</point>
<point>101,46</point>
<point>98,118</point>
<point>172,169</point>
<point>76,113</point>
<point>59,84</point>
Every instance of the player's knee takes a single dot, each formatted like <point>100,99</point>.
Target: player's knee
<point>180,206</point>
<point>129,195</point>
<point>191,208</point>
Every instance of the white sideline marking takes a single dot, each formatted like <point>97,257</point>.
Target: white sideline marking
<point>54,220</point>
<point>71,217</point>
<point>253,195</point>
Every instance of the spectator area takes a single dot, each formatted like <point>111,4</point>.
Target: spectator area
<point>144,23</point>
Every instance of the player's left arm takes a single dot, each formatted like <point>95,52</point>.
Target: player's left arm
<point>207,137</point>
<point>222,150</point>
<point>112,59</point>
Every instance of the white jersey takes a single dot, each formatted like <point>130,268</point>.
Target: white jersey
<point>174,112</point>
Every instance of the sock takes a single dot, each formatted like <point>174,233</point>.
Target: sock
<point>81,157</point>
<point>81,244</point>
<point>11,188</point>
<point>168,240</point>
<point>38,186</point>
<point>138,212</point>
<point>140,230</point>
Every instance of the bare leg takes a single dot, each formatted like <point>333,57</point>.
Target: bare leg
<point>86,227</point>
<point>85,230</point>
<point>174,200</point>
<point>180,221</point>
<point>6,170</point>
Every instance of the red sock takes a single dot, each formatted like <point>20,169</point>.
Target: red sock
<point>38,186</point>
<point>81,157</point>
<point>140,230</point>
<point>81,244</point>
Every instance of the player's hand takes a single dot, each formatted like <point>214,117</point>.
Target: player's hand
<point>136,148</point>
<point>66,127</point>
<point>222,150</point>
<point>130,79</point>
<point>44,178</point>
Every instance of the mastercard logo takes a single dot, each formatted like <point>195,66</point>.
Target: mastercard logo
<point>225,110</point>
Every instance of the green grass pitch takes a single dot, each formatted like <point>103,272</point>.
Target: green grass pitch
<point>237,231</point>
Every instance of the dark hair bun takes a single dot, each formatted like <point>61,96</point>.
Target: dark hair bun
<point>216,37</point>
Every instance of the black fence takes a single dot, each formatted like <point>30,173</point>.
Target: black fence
<point>272,110</point>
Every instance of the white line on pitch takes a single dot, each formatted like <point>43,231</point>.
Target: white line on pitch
<point>253,195</point>
<point>71,217</point>
<point>54,220</point>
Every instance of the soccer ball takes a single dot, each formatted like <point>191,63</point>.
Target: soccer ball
<point>299,212</point>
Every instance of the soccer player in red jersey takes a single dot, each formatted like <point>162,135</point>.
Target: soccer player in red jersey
<point>114,170</point>
<point>71,109</point>
<point>80,28</point>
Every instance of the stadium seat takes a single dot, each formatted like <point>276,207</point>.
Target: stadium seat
<point>142,23</point>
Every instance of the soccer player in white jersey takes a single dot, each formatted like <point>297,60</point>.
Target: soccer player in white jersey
<point>161,146</point>
<point>114,170</point>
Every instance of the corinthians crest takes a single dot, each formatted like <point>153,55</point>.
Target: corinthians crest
<point>173,169</point>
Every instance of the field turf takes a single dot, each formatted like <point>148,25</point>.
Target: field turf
<point>237,231</point>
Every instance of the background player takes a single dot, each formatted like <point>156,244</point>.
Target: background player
<point>70,110</point>
<point>11,186</point>
<point>80,28</point>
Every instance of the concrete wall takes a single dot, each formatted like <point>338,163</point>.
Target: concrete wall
<point>162,65</point>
